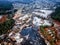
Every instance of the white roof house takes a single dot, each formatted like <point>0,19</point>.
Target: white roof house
<point>38,22</point>
<point>43,13</point>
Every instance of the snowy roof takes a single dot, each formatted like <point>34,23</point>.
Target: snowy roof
<point>38,22</point>
<point>45,14</point>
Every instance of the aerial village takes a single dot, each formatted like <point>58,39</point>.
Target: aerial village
<point>36,28</point>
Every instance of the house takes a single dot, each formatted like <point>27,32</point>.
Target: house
<point>42,13</point>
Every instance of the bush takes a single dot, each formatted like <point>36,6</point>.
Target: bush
<point>4,27</point>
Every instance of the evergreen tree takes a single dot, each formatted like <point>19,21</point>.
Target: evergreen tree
<point>56,15</point>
